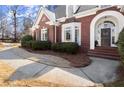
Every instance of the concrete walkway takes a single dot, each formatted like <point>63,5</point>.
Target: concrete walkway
<point>34,66</point>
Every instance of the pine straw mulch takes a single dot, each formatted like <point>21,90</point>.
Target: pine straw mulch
<point>33,83</point>
<point>77,60</point>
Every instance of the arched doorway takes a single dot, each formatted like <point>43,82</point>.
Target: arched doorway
<point>105,28</point>
<point>105,32</point>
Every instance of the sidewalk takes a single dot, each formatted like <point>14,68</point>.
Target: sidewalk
<point>42,67</point>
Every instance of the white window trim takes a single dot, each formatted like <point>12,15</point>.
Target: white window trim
<point>42,32</point>
<point>49,14</point>
<point>72,25</point>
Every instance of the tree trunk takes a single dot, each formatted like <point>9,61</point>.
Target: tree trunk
<point>2,34</point>
<point>2,31</point>
<point>15,39</point>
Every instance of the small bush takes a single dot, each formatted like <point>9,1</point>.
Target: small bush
<point>120,44</point>
<point>25,39</point>
<point>67,47</point>
<point>29,44</point>
<point>41,45</point>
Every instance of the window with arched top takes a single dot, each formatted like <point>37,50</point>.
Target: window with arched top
<point>106,24</point>
<point>109,22</point>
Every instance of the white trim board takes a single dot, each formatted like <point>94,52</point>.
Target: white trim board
<point>49,14</point>
<point>72,25</point>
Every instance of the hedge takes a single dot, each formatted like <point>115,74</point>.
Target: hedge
<point>25,40</point>
<point>120,44</point>
<point>67,47</point>
<point>41,45</point>
<point>29,44</point>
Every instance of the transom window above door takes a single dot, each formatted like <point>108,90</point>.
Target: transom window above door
<point>44,34</point>
<point>71,32</point>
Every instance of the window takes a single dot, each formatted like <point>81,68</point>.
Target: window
<point>113,40</point>
<point>76,34</point>
<point>44,35</point>
<point>68,33</point>
<point>71,32</point>
<point>113,35</point>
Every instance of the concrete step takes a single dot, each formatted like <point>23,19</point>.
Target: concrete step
<point>104,53</point>
<point>110,53</point>
<point>105,56</point>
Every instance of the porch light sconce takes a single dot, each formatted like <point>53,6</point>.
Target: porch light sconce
<point>105,17</point>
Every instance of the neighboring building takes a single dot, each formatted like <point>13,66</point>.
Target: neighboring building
<point>83,24</point>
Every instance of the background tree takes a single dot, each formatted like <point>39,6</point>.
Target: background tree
<point>14,10</point>
<point>3,28</point>
<point>27,23</point>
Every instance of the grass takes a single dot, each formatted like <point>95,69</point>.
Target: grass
<point>120,81</point>
<point>1,45</point>
<point>33,83</point>
<point>5,72</point>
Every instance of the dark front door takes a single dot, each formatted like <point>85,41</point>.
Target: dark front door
<point>106,37</point>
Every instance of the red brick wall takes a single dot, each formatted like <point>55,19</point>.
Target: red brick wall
<point>58,33</point>
<point>85,32</point>
<point>85,28</point>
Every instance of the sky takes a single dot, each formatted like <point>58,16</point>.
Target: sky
<point>29,11</point>
<point>24,10</point>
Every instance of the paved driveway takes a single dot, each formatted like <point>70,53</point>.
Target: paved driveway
<point>45,67</point>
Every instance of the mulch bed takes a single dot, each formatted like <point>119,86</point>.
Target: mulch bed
<point>77,60</point>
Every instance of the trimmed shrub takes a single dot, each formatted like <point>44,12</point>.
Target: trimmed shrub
<point>56,47</point>
<point>25,39</point>
<point>120,44</point>
<point>41,45</point>
<point>29,44</point>
<point>67,47</point>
